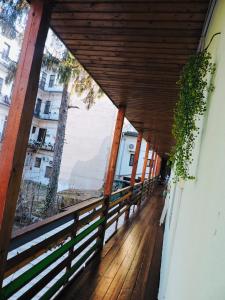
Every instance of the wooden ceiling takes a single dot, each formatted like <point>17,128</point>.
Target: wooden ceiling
<point>135,50</point>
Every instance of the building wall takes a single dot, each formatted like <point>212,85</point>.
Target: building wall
<point>43,120</point>
<point>87,145</point>
<point>5,91</point>
<point>123,167</point>
<point>194,242</point>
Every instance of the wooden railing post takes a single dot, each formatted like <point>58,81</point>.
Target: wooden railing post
<point>111,170</point>
<point>150,172</point>
<point>134,168</point>
<point>73,235</point>
<point>14,146</point>
<point>144,167</point>
<point>145,162</point>
<point>154,166</point>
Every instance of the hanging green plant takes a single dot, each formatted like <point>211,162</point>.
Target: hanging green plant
<point>191,104</point>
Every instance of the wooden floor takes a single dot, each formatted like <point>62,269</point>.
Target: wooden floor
<point>129,265</point>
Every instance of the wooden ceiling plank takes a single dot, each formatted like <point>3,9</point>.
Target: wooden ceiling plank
<point>144,6</point>
<point>135,50</point>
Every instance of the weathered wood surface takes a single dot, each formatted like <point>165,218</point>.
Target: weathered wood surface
<point>129,265</point>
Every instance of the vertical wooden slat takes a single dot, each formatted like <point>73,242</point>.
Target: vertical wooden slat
<point>145,162</point>
<point>155,162</point>
<point>151,164</point>
<point>136,157</point>
<point>134,168</point>
<point>24,94</point>
<point>156,165</point>
<point>114,152</point>
<point>112,168</point>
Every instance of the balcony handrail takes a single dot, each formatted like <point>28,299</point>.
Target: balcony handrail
<point>35,230</point>
<point>81,223</point>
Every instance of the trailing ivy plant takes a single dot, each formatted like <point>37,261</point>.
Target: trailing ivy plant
<point>192,103</point>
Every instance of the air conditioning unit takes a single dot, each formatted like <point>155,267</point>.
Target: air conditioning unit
<point>131,147</point>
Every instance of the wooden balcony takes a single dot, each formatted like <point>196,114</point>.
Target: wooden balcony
<point>129,265</point>
<point>45,257</point>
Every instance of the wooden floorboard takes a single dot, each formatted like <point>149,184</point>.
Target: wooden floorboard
<point>129,265</point>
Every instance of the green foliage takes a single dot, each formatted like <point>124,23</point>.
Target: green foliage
<point>191,105</point>
<point>70,70</point>
<point>12,12</point>
<point>11,72</point>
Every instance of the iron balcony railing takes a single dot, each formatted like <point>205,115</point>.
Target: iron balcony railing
<point>34,144</point>
<point>44,256</point>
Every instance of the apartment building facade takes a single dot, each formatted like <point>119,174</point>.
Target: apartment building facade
<point>40,150</point>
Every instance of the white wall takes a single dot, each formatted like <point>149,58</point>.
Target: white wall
<point>87,145</point>
<point>194,243</point>
<point>123,168</point>
<point>37,174</point>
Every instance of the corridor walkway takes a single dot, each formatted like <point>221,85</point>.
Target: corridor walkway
<point>129,265</point>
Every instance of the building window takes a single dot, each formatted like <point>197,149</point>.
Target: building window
<point>131,162</point>
<point>43,80</point>
<point>38,107</point>
<point>47,107</point>
<point>148,162</point>
<point>1,85</point>
<point>42,135</point>
<point>48,172</point>
<point>5,51</point>
<point>3,129</point>
<point>33,129</point>
<point>51,81</point>
<point>37,163</point>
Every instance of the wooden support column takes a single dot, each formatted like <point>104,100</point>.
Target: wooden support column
<point>145,162</point>
<point>112,168</point>
<point>151,164</point>
<point>134,168</point>
<point>20,116</point>
<point>150,172</point>
<point>155,162</point>
<point>155,166</point>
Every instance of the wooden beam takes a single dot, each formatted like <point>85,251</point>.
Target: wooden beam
<point>134,168</point>
<point>154,162</point>
<point>111,172</point>
<point>151,164</point>
<point>145,162</point>
<point>114,152</point>
<point>20,116</point>
<point>136,157</point>
<point>155,165</point>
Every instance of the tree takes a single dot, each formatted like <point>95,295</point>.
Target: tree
<point>70,72</point>
<point>12,12</point>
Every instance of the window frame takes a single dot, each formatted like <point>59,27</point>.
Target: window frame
<point>1,84</point>
<point>43,80</point>
<point>49,172</point>
<point>131,160</point>
<point>37,162</point>
<point>47,107</point>
<point>51,82</point>
<point>5,51</point>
